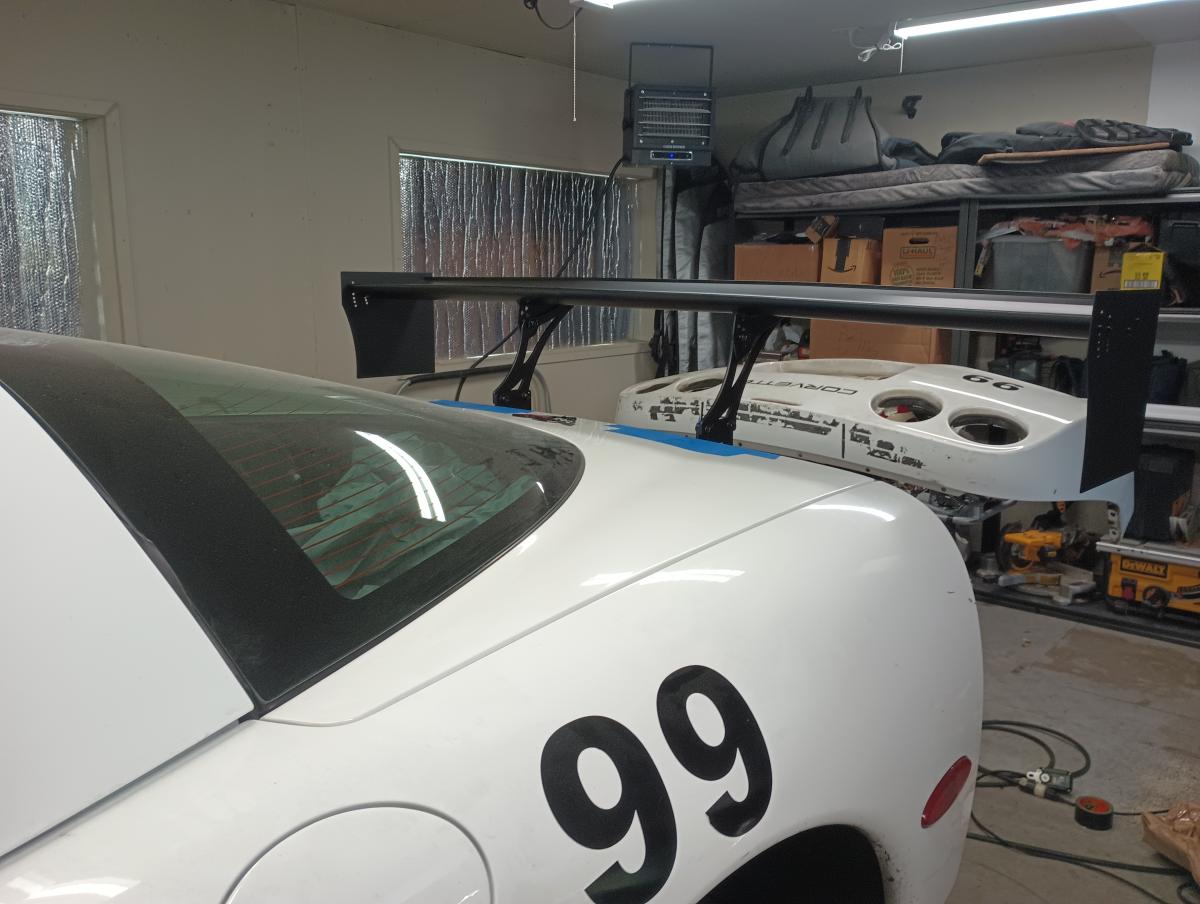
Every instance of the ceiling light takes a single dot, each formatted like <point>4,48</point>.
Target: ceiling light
<point>598,4</point>
<point>916,28</point>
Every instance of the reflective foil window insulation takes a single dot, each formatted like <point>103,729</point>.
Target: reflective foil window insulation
<point>461,218</point>
<point>41,166</point>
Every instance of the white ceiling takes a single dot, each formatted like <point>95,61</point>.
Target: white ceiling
<point>762,45</point>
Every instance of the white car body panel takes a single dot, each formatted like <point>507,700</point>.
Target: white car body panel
<point>369,853</point>
<point>823,409</point>
<point>670,505</point>
<point>64,628</point>
<point>832,608</point>
<point>860,658</point>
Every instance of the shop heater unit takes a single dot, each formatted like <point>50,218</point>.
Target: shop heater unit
<point>669,124</point>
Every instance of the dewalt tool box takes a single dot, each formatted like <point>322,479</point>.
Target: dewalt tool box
<point>1156,576</point>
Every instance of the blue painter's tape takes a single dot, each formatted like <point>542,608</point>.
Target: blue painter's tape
<point>479,406</point>
<point>690,443</point>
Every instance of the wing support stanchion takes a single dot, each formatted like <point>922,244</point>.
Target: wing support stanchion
<point>750,332</point>
<point>514,389</point>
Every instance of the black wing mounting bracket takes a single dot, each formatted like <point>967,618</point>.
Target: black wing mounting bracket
<point>750,332</point>
<point>514,389</point>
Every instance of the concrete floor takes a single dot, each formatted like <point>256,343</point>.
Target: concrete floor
<point>1134,703</point>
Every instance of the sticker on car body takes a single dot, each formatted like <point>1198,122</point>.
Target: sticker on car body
<point>644,794</point>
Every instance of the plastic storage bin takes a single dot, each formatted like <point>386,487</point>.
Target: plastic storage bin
<point>1031,263</point>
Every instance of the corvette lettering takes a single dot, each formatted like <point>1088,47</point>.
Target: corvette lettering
<point>815,387</point>
<point>643,792</point>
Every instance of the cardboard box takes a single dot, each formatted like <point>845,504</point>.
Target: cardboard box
<point>911,344</point>
<point>919,257</point>
<point>766,262</point>
<point>1106,268</point>
<point>850,261</point>
<point>910,257</point>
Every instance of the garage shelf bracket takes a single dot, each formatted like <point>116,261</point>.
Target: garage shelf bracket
<point>750,332</point>
<point>514,389</point>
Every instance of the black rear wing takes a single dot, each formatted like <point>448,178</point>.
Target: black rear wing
<point>391,319</point>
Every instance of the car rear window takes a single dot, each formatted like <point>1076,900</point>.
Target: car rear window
<point>301,520</point>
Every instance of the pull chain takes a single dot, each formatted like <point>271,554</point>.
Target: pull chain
<point>574,68</point>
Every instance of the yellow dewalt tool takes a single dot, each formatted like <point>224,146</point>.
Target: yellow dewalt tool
<point>1036,560</point>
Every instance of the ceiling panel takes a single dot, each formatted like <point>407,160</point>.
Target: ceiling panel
<point>767,44</point>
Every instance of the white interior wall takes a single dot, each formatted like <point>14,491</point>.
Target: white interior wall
<point>1175,89</point>
<point>1112,85</point>
<point>256,155</point>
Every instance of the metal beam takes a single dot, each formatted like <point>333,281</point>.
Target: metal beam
<point>1066,316</point>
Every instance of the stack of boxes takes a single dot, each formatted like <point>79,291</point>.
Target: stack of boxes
<point>862,252</point>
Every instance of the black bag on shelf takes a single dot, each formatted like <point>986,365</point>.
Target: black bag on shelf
<point>820,136</point>
<point>1191,386</point>
<point>1179,237</point>
<point>1168,373</point>
<point>1067,374</point>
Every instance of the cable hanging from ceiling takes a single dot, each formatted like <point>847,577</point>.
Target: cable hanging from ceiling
<point>533,5</point>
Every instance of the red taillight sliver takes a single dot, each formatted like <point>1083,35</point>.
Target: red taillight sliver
<point>946,792</point>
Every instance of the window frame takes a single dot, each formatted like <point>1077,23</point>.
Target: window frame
<point>646,250</point>
<point>107,309</point>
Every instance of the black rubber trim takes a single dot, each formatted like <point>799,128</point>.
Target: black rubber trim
<point>258,597</point>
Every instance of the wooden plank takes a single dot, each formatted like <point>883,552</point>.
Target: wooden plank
<point>1041,156</point>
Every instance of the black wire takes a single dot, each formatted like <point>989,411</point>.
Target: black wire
<point>609,181</point>
<point>1010,778</point>
<point>995,725</point>
<point>1006,778</point>
<point>1095,869</point>
<point>1189,885</point>
<point>1034,850</point>
<point>533,5</point>
<point>602,196</point>
<point>999,727</point>
<point>462,381</point>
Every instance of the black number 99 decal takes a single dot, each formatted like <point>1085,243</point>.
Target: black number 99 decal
<point>643,795</point>
<point>703,760</point>
<point>998,384</point>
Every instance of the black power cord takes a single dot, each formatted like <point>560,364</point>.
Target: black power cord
<point>1013,727</point>
<point>462,381</point>
<point>533,5</point>
<point>1035,850</point>
<point>1006,778</point>
<point>1087,863</point>
<point>609,181</point>
<point>601,197</point>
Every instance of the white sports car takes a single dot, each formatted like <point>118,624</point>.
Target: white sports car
<point>270,639</point>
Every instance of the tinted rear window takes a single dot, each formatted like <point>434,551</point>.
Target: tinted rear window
<point>301,520</point>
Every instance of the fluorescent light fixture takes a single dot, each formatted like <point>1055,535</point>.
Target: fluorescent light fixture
<point>918,28</point>
<point>598,4</point>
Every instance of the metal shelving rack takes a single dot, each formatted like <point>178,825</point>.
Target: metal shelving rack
<point>1163,422</point>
